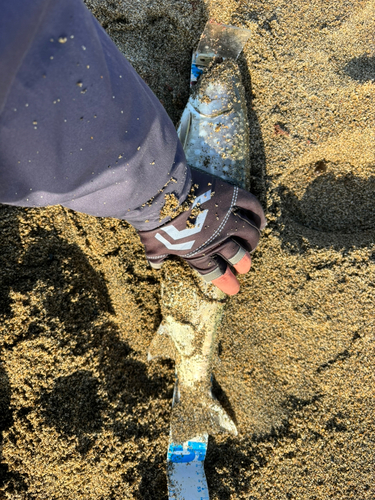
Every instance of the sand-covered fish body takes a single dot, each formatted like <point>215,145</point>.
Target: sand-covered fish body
<point>215,135</point>
<point>214,129</point>
<point>192,311</point>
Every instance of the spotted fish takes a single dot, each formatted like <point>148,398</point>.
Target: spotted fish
<point>215,134</point>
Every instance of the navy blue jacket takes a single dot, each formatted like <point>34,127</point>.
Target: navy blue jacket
<point>78,126</point>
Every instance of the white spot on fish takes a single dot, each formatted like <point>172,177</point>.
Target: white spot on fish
<point>83,47</point>
<point>63,39</point>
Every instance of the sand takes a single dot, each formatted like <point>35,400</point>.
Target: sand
<point>82,413</point>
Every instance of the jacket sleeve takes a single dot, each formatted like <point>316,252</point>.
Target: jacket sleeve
<point>78,126</point>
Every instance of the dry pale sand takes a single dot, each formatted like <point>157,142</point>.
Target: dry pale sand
<point>82,414</point>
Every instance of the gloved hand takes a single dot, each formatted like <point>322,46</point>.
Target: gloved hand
<point>220,225</point>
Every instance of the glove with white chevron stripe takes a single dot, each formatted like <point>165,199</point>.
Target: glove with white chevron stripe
<point>217,227</point>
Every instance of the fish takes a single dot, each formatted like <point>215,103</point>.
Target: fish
<point>214,132</point>
<point>191,311</point>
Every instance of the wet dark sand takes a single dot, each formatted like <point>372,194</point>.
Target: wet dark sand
<point>82,413</point>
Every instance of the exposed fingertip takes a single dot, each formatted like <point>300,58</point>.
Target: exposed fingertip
<point>156,265</point>
<point>227,283</point>
<point>244,265</point>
